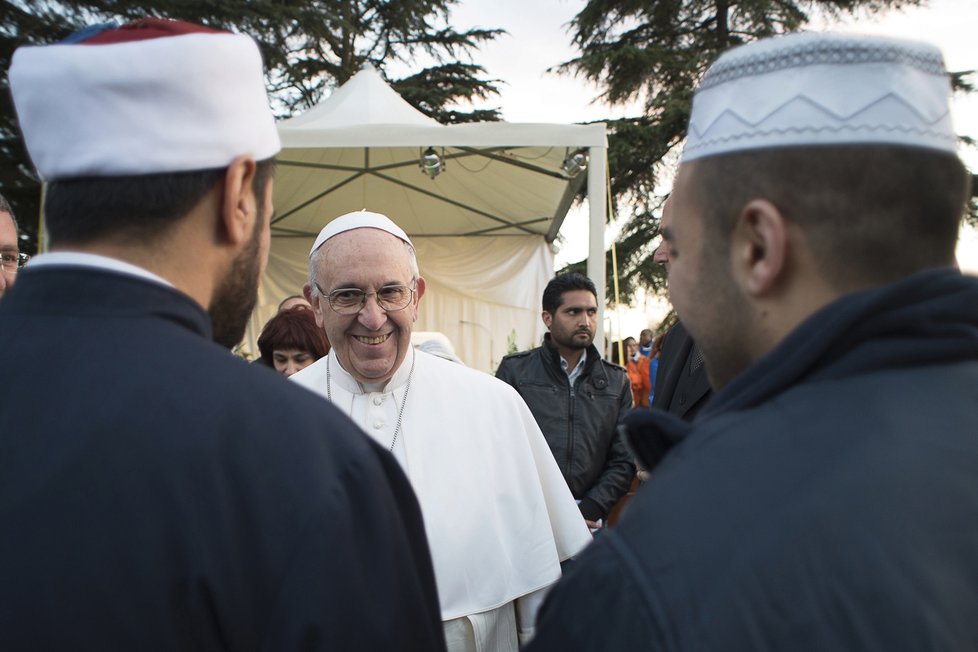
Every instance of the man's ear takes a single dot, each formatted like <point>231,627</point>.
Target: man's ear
<point>418,293</point>
<point>759,247</point>
<point>547,318</point>
<point>239,210</point>
<point>315,300</point>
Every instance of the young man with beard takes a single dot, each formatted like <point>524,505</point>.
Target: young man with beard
<point>577,399</point>
<point>155,491</point>
<point>825,498</point>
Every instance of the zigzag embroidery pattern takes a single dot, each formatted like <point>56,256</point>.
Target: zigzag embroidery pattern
<point>812,130</point>
<point>751,127</point>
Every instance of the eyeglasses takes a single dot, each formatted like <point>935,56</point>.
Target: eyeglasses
<point>350,301</point>
<point>11,262</point>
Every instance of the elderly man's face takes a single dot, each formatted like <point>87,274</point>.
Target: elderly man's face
<point>701,284</point>
<point>371,344</point>
<point>8,245</point>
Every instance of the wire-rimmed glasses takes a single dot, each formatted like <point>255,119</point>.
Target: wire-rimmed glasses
<point>11,261</point>
<point>350,301</point>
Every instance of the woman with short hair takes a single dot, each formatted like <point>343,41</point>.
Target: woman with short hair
<point>291,341</point>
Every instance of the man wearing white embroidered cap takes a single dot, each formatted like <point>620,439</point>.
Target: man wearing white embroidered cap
<point>497,512</point>
<point>825,498</point>
<point>157,492</point>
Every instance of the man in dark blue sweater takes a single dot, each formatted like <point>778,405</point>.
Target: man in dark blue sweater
<point>825,498</point>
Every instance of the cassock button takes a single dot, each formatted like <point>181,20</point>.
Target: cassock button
<point>378,400</point>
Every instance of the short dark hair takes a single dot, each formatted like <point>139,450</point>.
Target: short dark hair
<point>5,207</point>
<point>553,294</point>
<point>872,213</point>
<point>614,351</point>
<point>136,207</point>
<point>294,328</point>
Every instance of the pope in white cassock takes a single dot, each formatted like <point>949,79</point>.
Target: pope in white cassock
<point>498,515</point>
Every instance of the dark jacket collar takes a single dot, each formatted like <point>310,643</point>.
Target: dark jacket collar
<point>925,319</point>
<point>592,368</point>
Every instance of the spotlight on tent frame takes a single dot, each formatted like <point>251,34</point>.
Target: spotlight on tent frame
<point>575,163</point>
<point>431,164</point>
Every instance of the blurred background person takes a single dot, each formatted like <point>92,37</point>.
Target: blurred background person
<point>292,301</point>
<point>637,366</point>
<point>645,339</point>
<point>12,259</point>
<point>680,386</point>
<point>440,346</point>
<point>654,363</point>
<point>291,341</point>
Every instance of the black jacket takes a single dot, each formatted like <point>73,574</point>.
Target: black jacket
<point>157,493</point>
<point>579,423</point>
<point>681,386</point>
<point>825,499</point>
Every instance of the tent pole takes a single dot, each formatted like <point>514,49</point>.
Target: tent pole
<point>596,193</point>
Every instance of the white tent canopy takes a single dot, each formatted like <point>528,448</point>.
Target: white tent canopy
<point>482,227</point>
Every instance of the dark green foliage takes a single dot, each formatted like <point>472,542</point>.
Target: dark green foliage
<point>654,52</point>
<point>309,46</point>
<point>964,82</point>
<point>435,88</point>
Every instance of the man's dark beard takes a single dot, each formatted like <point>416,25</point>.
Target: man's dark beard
<point>236,296</point>
<point>572,344</point>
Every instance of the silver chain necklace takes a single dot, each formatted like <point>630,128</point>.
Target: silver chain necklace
<point>400,412</point>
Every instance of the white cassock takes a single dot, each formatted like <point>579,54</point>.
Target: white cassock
<point>498,515</point>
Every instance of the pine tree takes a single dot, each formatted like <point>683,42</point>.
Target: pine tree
<point>654,52</point>
<point>309,47</point>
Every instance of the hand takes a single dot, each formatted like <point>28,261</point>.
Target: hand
<point>594,525</point>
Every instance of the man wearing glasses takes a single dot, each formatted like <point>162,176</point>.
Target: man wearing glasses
<point>11,259</point>
<point>498,515</point>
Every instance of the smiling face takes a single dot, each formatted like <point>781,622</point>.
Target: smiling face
<point>371,344</point>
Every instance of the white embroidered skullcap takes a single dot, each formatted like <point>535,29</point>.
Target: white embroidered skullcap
<point>154,96</point>
<point>822,89</point>
<point>362,219</point>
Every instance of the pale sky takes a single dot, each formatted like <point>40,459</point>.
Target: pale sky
<point>538,39</point>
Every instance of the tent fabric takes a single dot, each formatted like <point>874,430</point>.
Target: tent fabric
<point>483,227</point>
<point>484,294</point>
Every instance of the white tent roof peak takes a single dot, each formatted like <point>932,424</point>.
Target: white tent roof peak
<point>365,99</point>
